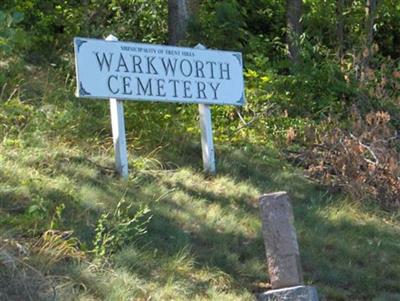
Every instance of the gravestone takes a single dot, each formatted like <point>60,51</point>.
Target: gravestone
<point>282,251</point>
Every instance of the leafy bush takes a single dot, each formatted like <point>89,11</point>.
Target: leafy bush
<point>12,37</point>
<point>216,22</point>
<point>52,24</point>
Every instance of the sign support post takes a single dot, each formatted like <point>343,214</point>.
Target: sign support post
<point>118,131</point>
<point>207,144</point>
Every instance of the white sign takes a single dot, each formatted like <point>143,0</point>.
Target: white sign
<point>122,70</point>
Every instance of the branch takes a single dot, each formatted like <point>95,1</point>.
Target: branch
<point>369,149</point>
<point>254,119</point>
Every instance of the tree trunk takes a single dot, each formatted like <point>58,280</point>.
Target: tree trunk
<point>294,10</point>
<point>340,28</point>
<point>179,13</point>
<point>370,15</point>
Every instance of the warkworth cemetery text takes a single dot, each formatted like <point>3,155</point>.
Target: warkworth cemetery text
<point>146,72</point>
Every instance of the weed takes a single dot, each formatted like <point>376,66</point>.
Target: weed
<point>119,227</point>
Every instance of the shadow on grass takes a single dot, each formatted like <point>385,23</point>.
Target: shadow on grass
<point>351,256</point>
<point>347,251</point>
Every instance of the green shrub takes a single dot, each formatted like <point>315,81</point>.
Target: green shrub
<point>12,37</point>
<point>119,227</point>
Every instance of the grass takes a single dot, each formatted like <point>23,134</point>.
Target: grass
<point>203,241</point>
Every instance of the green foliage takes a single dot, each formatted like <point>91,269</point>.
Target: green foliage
<point>139,20</point>
<point>56,221</point>
<point>388,28</point>
<point>14,117</point>
<point>50,26</point>
<point>317,88</point>
<point>47,23</point>
<point>202,243</point>
<point>216,21</point>
<point>119,227</point>
<point>12,38</point>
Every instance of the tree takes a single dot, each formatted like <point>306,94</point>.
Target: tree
<point>340,27</point>
<point>370,16</point>
<point>179,14</point>
<point>294,28</point>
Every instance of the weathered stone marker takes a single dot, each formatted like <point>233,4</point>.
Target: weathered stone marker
<point>283,256</point>
<point>282,250</point>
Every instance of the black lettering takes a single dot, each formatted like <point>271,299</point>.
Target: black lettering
<point>160,87</point>
<point>214,88</point>
<point>199,69</point>
<point>126,84</point>
<point>109,84</point>
<point>186,89</point>
<point>136,61</point>
<point>144,90</point>
<point>174,82</point>
<point>224,70</point>
<point>200,90</point>
<point>122,63</point>
<point>150,65</point>
<point>103,60</point>
<point>211,64</point>
<point>189,64</point>
<point>169,66</point>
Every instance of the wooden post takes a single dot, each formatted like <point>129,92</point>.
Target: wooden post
<point>118,131</point>
<point>207,144</point>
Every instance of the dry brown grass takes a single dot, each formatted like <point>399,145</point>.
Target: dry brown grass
<point>58,245</point>
<point>19,280</point>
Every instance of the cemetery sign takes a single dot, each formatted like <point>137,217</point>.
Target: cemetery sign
<point>136,71</point>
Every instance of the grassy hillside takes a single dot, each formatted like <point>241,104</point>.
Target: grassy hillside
<point>203,239</point>
<point>70,229</point>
